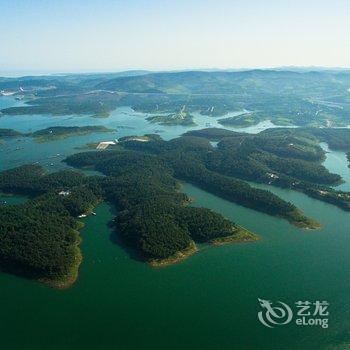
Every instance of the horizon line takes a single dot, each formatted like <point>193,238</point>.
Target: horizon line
<point>17,73</point>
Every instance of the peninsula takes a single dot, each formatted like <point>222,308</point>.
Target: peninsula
<point>54,133</point>
<point>62,132</point>
<point>40,238</point>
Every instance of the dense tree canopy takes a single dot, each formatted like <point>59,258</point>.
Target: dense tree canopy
<point>40,237</point>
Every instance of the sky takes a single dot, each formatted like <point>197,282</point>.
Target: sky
<point>105,35</point>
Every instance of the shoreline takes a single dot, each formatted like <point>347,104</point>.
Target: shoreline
<point>175,258</point>
<point>65,282</point>
<point>306,223</point>
<point>240,235</point>
<point>304,226</point>
<point>50,137</point>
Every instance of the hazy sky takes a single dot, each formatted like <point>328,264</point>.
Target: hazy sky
<point>98,35</point>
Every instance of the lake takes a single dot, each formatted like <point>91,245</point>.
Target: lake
<point>209,301</point>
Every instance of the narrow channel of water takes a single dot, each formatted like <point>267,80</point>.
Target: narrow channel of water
<point>337,162</point>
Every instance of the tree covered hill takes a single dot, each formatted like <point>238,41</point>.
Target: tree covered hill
<point>285,97</point>
<point>40,238</point>
<point>190,159</point>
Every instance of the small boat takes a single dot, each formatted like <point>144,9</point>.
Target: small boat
<point>93,213</point>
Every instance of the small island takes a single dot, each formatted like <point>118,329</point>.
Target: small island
<point>61,132</point>
<point>56,132</point>
<point>241,121</point>
<point>181,118</point>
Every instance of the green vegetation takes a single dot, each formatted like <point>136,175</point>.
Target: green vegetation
<point>278,158</point>
<point>153,216</point>
<point>89,145</point>
<point>39,239</point>
<point>176,257</point>
<point>213,134</point>
<point>181,118</point>
<point>287,158</point>
<point>61,132</point>
<point>191,159</point>
<point>98,104</point>
<point>56,132</point>
<point>242,120</point>
<point>136,138</point>
<point>284,97</point>
<point>9,133</point>
<point>337,138</point>
<point>240,235</point>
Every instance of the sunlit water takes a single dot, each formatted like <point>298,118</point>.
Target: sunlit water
<point>210,301</point>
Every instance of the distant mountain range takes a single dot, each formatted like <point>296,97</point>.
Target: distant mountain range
<point>297,96</point>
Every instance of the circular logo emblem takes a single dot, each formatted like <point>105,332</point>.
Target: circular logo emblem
<point>274,315</point>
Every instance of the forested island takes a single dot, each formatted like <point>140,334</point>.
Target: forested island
<point>54,133</point>
<point>181,118</point>
<point>62,132</point>
<point>242,120</point>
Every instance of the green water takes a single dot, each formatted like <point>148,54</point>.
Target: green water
<point>207,302</point>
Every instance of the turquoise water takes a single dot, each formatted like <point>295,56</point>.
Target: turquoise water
<point>6,199</point>
<point>337,162</point>
<point>210,301</point>
<point>16,151</point>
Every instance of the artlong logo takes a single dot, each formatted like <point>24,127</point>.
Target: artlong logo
<point>274,315</point>
<point>281,314</point>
